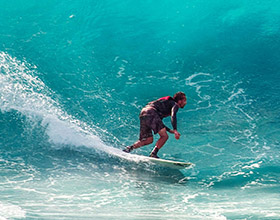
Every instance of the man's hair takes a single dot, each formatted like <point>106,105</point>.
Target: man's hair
<point>179,96</point>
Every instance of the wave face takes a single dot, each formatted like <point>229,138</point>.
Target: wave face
<point>74,77</point>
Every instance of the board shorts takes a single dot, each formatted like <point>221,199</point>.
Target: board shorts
<point>149,122</point>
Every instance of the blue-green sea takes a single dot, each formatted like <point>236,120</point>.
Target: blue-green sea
<point>74,76</point>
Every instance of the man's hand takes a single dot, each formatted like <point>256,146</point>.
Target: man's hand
<point>177,134</point>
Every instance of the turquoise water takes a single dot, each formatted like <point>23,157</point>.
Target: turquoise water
<point>74,77</point>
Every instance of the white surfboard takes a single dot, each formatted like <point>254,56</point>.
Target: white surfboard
<point>169,163</point>
<point>157,161</point>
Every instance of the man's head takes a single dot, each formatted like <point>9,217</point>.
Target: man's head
<point>181,99</point>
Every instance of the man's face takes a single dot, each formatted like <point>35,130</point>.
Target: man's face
<point>182,102</point>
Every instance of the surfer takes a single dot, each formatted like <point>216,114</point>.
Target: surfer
<point>151,120</point>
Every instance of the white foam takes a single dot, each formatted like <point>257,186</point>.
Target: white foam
<point>189,80</point>
<point>198,84</point>
<point>188,197</point>
<point>8,211</point>
<point>23,92</point>
<point>253,166</point>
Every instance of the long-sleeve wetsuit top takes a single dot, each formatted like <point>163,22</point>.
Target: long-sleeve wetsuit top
<point>166,106</point>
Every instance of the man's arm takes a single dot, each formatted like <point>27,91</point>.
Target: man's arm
<point>174,111</point>
<point>168,129</point>
<point>175,132</point>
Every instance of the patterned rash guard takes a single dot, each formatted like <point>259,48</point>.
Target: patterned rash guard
<point>164,107</point>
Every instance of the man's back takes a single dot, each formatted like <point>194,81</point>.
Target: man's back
<point>163,106</point>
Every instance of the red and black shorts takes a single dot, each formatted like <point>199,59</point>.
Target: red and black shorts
<point>149,122</point>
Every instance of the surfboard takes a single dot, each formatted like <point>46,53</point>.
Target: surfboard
<point>168,163</point>
<point>155,161</point>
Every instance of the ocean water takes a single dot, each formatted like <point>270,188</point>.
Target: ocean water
<point>74,76</point>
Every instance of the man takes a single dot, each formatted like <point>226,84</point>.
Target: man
<point>151,120</point>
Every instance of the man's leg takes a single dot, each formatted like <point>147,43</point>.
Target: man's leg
<point>144,142</point>
<point>138,144</point>
<point>161,141</point>
<point>145,137</point>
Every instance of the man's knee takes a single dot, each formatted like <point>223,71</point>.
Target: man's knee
<point>165,137</point>
<point>163,134</point>
<point>149,140</point>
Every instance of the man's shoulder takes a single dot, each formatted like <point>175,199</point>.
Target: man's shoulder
<point>176,106</point>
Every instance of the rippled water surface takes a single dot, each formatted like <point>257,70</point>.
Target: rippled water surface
<point>74,77</point>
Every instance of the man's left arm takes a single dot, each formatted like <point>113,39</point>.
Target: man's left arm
<point>173,115</point>
<point>174,111</point>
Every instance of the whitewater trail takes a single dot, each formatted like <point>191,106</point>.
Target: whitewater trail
<point>22,91</point>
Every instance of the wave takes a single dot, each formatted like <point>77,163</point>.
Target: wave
<point>22,91</point>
